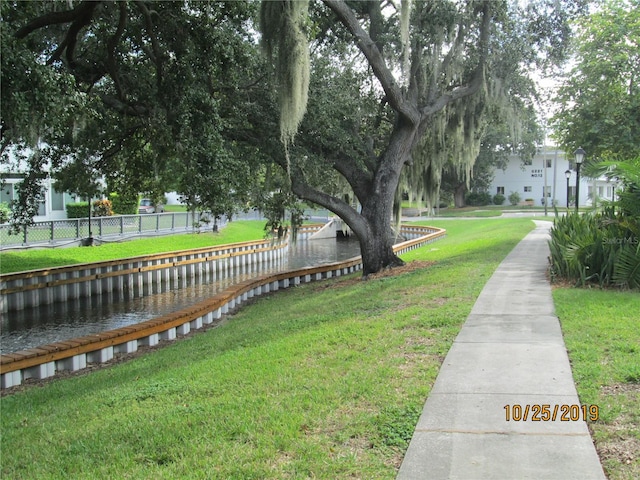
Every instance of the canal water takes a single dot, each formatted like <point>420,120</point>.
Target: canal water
<point>65,320</point>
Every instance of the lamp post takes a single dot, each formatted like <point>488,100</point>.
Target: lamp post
<point>613,193</point>
<point>579,153</point>
<point>567,174</point>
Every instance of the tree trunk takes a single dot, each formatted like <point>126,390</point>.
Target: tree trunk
<point>376,247</point>
<point>458,195</point>
<point>376,194</point>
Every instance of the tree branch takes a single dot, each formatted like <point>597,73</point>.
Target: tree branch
<point>120,106</point>
<point>358,179</point>
<point>336,205</point>
<point>478,78</point>
<point>157,53</point>
<point>112,43</point>
<point>56,18</point>
<point>373,55</point>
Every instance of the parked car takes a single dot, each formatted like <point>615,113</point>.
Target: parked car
<point>147,206</point>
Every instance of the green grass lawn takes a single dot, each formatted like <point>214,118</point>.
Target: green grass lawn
<point>470,212</point>
<point>602,333</point>
<point>325,380</point>
<point>237,231</point>
<point>175,208</point>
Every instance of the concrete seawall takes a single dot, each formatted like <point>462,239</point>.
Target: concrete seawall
<point>75,354</point>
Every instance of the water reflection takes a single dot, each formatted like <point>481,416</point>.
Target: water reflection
<point>61,321</point>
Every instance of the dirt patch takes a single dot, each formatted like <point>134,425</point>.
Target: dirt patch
<point>620,388</point>
<point>406,268</point>
<point>617,443</point>
<point>387,272</point>
<point>626,451</point>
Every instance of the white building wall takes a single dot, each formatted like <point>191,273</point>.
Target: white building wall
<point>547,168</point>
<point>53,206</point>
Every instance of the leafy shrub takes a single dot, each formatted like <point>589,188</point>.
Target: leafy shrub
<point>123,204</point>
<point>602,247</point>
<point>77,210</point>
<point>102,208</point>
<point>498,199</point>
<point>514,198</point>
<point>5,212</point>
<point>594,248</point>
<point>478,199</point>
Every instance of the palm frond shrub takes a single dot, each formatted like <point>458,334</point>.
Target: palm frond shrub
<point>591,248</point>
<point>627,272</point>
<point>602,247</point>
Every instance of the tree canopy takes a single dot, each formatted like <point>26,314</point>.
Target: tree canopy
<point>145,93</point>
<point>599,101</point>
<point>157,94</point>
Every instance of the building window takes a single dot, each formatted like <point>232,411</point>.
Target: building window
<point>500,190</point>
<point>548,162</point>
<point>528,189</point>
<point>527,162</point>
<point>547,191</point>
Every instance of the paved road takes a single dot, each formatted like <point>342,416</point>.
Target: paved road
<point>510,352</point>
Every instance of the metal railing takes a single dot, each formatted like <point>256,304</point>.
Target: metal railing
<point>68,230</point>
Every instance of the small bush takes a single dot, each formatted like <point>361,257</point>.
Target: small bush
<point>498,199</point>
<point>514,198</point>
<point>478,199</point>
<point>124,204</point>
<point>5,212</point>
<point>78,210</point>
<point>102,208</point>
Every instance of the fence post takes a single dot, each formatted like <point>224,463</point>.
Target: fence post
<point>52,236</point>
<point>100,226</point>
<point>173,221</point>
<point>121,224</point>
<point>24,236</point>
<point>139,223</point>
<point>77,228</point>
<point>157,222</point>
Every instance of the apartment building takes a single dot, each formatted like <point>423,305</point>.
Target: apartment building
<point>544,178</point>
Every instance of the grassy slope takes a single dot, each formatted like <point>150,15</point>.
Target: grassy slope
<point>325,380</point>
<point>602,333</point>
<point>15,261</point>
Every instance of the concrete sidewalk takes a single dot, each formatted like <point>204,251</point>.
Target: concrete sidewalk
<point>510,352</point>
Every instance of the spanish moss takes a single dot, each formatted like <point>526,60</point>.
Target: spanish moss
<point>282,24</point>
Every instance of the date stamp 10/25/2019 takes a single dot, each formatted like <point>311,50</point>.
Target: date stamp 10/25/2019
<point>551,413</point>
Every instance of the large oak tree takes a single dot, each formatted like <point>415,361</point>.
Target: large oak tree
<point>436,67</point>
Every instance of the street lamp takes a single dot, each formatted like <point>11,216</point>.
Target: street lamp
<point>567,174</point>
<point>579,153</point>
